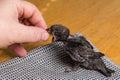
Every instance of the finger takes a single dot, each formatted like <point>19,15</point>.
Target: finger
<point>18,49</point>
<point>25,22</point>
<point>29,11</point>
<point>25,34</point>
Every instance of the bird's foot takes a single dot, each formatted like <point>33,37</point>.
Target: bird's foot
<point>70,69</point>
<point>74,69</point>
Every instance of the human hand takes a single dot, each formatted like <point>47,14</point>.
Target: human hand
<point>20,22</point>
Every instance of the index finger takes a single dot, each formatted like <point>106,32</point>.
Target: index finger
<point>30,12</point>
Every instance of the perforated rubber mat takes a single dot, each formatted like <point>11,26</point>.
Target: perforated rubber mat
<point>49,62</point>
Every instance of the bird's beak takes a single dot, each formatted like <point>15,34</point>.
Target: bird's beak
<point>48,30</point>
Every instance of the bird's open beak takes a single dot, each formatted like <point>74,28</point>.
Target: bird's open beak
<point>50,32</point>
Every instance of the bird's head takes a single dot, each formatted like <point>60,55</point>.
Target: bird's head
<point>59,32</point>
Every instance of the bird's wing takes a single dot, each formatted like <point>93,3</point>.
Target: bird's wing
<point>96,55</point>
<point>80,40</point>
<point>86,42</point>
<point>75,57</point>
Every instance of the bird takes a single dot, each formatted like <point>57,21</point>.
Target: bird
<point>79,50</point>
<point>59,33</point>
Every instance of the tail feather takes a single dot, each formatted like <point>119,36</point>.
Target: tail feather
<point>107,72</point>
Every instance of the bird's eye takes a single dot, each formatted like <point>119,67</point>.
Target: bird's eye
<point>56,33</point>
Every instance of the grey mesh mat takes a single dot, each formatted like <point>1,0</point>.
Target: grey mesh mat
<point>49,62</point>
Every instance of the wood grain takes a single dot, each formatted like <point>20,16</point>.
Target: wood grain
<point>98,20</point>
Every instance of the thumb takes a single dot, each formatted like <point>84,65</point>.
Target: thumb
<point>30,34</point>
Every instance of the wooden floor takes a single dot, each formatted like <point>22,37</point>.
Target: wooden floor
<point>98,20</point>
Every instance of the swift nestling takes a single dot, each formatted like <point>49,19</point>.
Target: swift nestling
<point>80,50</point>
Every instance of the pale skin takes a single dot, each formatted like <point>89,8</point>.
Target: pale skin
<point>20,22</point>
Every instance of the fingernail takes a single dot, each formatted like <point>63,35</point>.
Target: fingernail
<point>45,36</point>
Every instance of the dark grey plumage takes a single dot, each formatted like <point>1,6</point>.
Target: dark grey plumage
<point>59,32</point>
<point>80,51</point>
